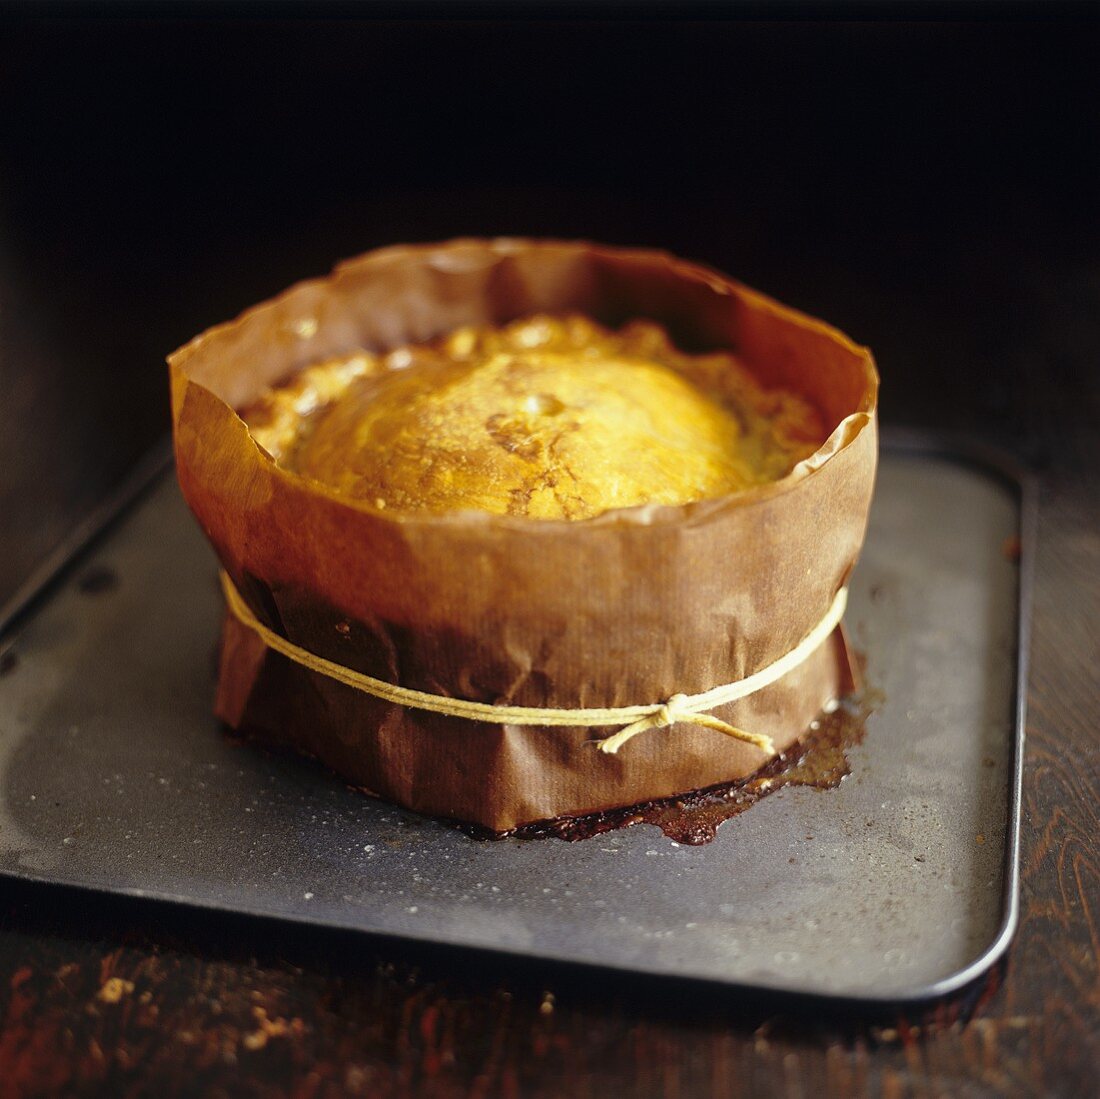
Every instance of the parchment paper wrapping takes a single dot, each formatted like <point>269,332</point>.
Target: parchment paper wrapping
<point>627,608</point>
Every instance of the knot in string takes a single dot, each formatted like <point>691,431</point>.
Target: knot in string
<point>672,712</point>
<point>679,709</point>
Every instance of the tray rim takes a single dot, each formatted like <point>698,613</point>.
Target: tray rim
<point>963,450</point>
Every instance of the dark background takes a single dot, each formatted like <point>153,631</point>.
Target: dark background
<point>926,186</point>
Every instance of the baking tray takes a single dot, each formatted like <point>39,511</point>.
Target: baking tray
<point>899,885</point>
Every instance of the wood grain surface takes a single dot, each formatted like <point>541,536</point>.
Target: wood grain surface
<point>991,327</point>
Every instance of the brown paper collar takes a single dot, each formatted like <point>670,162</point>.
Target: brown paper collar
<point>680,708</point>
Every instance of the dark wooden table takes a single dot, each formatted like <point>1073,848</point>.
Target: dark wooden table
<point>981,296</point>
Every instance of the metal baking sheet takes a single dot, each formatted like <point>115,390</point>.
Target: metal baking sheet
<point>901,884</point>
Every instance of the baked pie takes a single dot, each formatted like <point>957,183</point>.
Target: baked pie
<point>486,507</point>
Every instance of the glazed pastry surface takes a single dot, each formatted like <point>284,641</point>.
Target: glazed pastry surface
<point>547,417</point>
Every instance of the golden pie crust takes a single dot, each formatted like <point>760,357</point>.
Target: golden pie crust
<point>546,417</point>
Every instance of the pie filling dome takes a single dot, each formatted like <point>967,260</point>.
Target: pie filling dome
<point>546,417</point>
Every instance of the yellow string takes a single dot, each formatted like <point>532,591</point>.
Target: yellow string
<point>686,709</point>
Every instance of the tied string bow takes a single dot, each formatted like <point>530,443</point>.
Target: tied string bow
<point>678,709</point>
